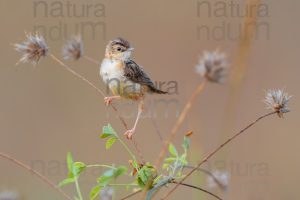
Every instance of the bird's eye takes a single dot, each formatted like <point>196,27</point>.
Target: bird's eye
<point>119,49</point>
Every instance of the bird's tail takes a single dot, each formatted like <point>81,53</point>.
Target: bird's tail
<point>157,91</point>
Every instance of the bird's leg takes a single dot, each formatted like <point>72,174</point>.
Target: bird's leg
<point>108,100</point>
<point>130,132</point>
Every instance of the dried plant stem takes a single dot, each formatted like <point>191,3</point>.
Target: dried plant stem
<point>179,122</point>
<point>91,59</point>
<point>39,175</point>
<point>138,150</point>
<point>131,195</point>
<point>216,150</point>
<point>198,188</point>
<point>76,74</point>
<point>156,128</point>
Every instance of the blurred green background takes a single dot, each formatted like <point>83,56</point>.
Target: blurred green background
<point>46,112</point>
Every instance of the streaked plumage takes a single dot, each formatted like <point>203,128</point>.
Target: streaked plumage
<point>124,77</point>
<point>137,74</point>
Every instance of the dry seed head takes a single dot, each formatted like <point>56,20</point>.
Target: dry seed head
<point>277,100</point>
<point>73,49</point>
<point>213,66</point>
<point>33,49</point>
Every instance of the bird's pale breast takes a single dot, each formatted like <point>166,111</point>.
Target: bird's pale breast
<point>112,73</point>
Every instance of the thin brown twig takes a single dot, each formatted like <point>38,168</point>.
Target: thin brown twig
<point>198,188</point>
<point>39,175</point>
<point>131,195</point>
<point>216,150</point>
<point>77,74</point>
<point>91,59</point>
<point>156,128</point>
<point>138,150</point>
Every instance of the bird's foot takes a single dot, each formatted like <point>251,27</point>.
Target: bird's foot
<point>129,133</point>
<point>108,100</point>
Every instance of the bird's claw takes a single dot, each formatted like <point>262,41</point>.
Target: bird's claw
<point>107,100</point>
<point>129,134</point>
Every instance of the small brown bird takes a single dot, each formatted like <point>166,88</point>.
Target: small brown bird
<point>124,77</point>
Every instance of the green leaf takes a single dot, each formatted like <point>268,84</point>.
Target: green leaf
<point>145,175</point>
<point>165,166</point>
<point>110,142</point>
<point>135,164</point>
<point>70,162</point>
<point>173,150</point>
<point>78,167</point>
<point>120,171</point>
<point>66,182</point>
<point>142,175</point>
<point>106,177</point>
<point>183,159</point>
<point>95,192</point>
<point>170,159</point>
<point>108,131</point>
<point>111,175</point>
<point>105,135</point>
<point>104,180</point>
<point>186,143</point>
<point>179,173</point>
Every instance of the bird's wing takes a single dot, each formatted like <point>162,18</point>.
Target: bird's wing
<point>136,74</point>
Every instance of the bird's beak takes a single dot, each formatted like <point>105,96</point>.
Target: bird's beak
<point>131,49</point>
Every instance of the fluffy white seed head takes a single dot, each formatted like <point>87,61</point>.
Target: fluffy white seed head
<point>73,49</point>
<point>213,66</point>
<point>277,100</point>
<point>32,49</point>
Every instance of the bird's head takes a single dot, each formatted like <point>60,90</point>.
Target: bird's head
<point>119,49</point>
